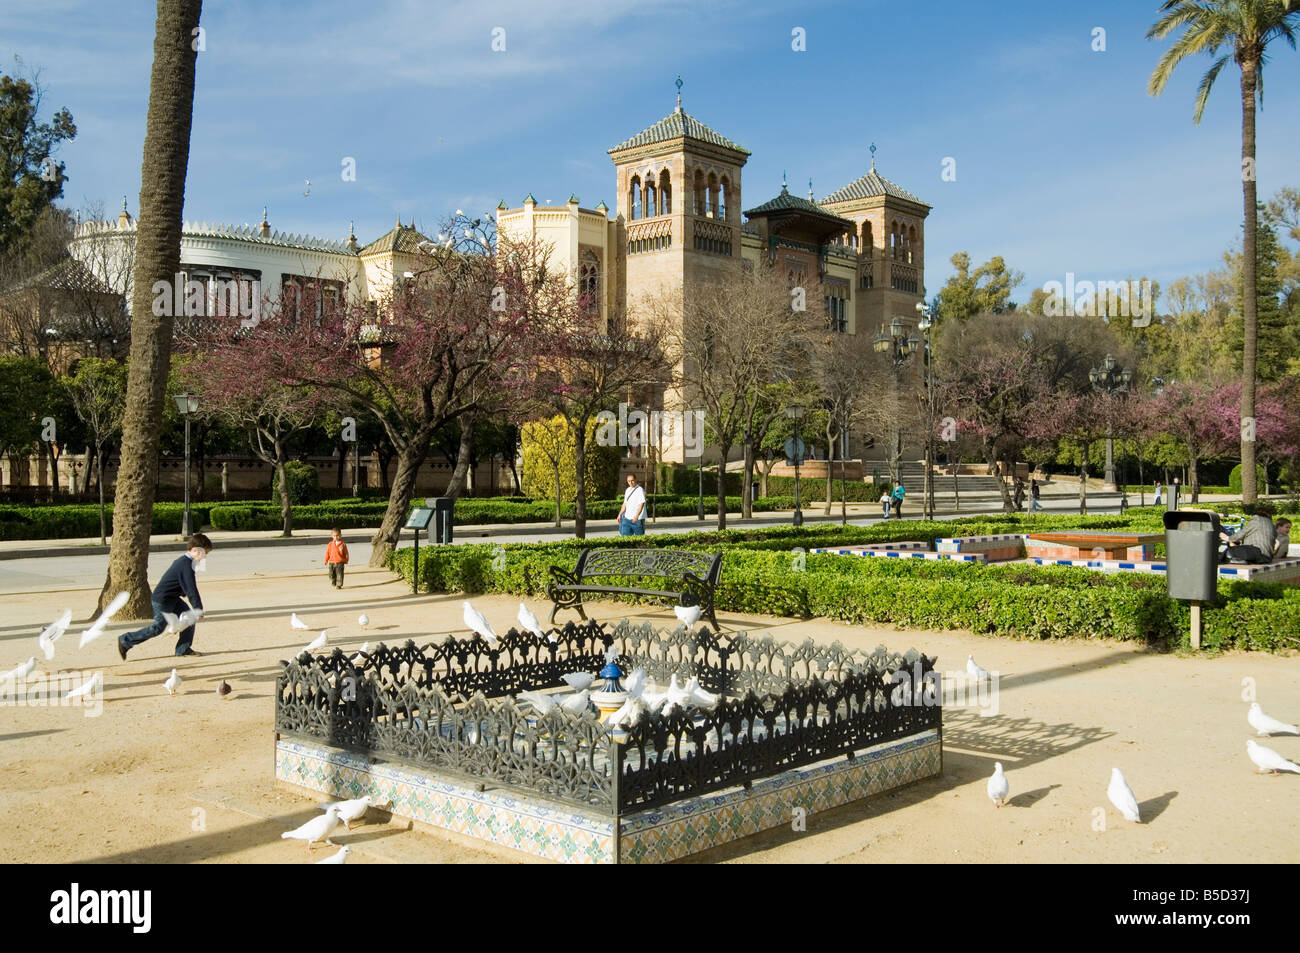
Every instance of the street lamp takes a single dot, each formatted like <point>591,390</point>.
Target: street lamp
<point>188,405</point>
<point>900,347</point>
<point>924,326</point>
<point>1110,379</point>
<point>795,413</point>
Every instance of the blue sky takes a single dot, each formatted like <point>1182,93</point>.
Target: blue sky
<point>1064,163</point>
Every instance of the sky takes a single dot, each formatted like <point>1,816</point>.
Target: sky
<point>1063,163</point>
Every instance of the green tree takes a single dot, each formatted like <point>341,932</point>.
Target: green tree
<point>30,178</point>
<point>1244,28</point>
<point>1275,341</point>
<point>97,389</point>
<point>986,289</point>
<point>25,384</point>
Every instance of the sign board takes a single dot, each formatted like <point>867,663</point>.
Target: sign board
<point>419,518</point>
<point>794,451</point>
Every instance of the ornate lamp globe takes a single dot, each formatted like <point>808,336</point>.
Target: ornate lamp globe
<point>611,696</point>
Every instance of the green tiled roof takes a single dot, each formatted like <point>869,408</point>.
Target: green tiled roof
<point>401,238</point>
<point>785,202</point>
<point>871,184</point>
<point>674,126</point>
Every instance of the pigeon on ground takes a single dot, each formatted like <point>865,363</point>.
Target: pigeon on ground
<point>224,689</point>
<point>973,669</point>
<point>631,711</point>
<point>110,610</point>
<point>340,858</point>
<point>1121,795</point>
<point>476,622</point>
<point>635,682</point>
<point>579,680</point>
<point>531,624</point>
<point>173,683</point>
<point>297,623</point>
<point>544,703</point>
<point>93,684</point>
<point>318,828</point>
<point>699,697</point>
<point>353,810</point>
<point>319,642</point>
<point>363,620</point>
<point>50,634</point>
<point>1268,760</point>
<point>1266,725</point>
<point>688,615</point>
<point>20,673</point>
<point>179,623</point>
<point>998,786</point>
<point>576,703</point>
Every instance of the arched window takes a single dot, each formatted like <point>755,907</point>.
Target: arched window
<point>912,248</point>
<point>651,197</point>
<point>665,193</point>
<point>724,197</point>
<point>868,239</point>
<point>700,203</point>
<point>712,197</point>
<point>634,197</point>
<point>589,283</point>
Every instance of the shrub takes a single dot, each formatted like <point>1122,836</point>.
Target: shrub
<point>304,484</point>
<point>76,520</point>
<point>1234,478</point>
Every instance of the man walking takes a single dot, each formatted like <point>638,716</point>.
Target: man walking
<point>631,515</point>
<point>899,493</point>
<point>177,581</point>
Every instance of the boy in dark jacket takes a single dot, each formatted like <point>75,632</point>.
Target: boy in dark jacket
<point>177,581</point>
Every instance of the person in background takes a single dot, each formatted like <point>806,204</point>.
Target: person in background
<point>631,515</point>
<point>1018,497</point>
<point>1254,542</point>
<point>1034,490</point>
<point>899,493</point>
<point>1158,490</point>
<point>886,501</point>
<point>1282,545</point>
<point>336,557</point>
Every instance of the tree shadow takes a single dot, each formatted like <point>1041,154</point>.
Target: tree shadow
<point>16,735</point>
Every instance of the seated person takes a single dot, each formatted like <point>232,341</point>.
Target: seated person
<point>1254,542</point>
<point>1283,543</point>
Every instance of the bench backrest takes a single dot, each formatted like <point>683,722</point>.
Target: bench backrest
<point>666,563</point>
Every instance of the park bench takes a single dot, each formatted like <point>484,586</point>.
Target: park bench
<point>688,578</point>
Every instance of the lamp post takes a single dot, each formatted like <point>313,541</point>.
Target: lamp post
<point>188,405</point>
<point>900,346</point>
<point>924,326</point>
<point>699,470</point>
<point>795,413</point>
<point>1110,379</point>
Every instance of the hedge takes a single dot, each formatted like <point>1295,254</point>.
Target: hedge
<point>76,520</point>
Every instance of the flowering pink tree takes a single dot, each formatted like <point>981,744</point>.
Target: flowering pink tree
<point>1277,424</point>
<point>1195,414</point>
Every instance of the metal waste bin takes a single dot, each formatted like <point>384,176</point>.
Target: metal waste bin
<point>1192,554</point>
<point>442,507</point>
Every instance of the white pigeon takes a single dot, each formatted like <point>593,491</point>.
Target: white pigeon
<point>998,786</point>
<point>92,684</point>
<point>530,623</point>
<point>318,828</point>
<point>353,810</point>
<point>357,659</point>
<point>1266,725</point>
<point>543,702</point>
<point>579,680</point>
<point>476,622</point>
<point>179,623</point>
<point>699,697</point>
<point>688,615</point>
<point>319,641</point>
<point>1268,760</point>
<point>1121,795</point>
<point>110,610</point>
<point>973,669</point>
<point>173,683</point>
<point>363,620</point>
<point>21,672</point>
<point>50,634</point>
<point>340,858</point>
<point>676,696</point>
<point>632,710</point>
<point>297,623</point>
<point>576,703</point>
<point>635,683</point>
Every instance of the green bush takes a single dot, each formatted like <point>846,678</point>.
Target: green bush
<point>542,440</point>
<point>1234,479</point>
<point>304,484</point>
<point>77,520</point>
<point>814,491</point>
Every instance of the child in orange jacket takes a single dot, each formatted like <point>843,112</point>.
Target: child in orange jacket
<point>336,557</point>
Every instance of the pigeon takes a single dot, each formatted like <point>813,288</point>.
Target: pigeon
<point>173,683</point>
<point>576,703</point>
<point>363,620</point>
<point>635,682</point>
<point>676,696</point>
<point>1121,795</point>
<point>699,696</point>
<point>318,828</point>
<point>530,623</point>
<point>353,810</point>
<point>544,703</point>
<point>50,634</point>
<point>998,786</point>
<point>358,658</point>
<point>1266,725</point>
<point>97,680</point>
<point>973,669</point>
<point>340,858</point>
<point>179,623</point>
<point>688,615</point>
<point>579,680</point>
<point>631,711</point>
<point>97,628</point>
<point>21,672</point>
<point>297,623</point>
<point>1268,760</point>
<point>319,641</point>
<point>224,689</point>
<point>477,623</point>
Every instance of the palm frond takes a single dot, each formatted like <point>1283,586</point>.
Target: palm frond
<point>1207,82</point>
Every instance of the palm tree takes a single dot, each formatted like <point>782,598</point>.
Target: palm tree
<point>157,258</point>
<point>1244,28</point>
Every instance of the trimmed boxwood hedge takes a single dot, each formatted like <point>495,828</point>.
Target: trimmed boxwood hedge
<point>76,520</point>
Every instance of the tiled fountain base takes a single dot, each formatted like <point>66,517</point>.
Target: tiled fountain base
<point>570,835</point>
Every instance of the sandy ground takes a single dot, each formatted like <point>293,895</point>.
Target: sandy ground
<point>190,778</point>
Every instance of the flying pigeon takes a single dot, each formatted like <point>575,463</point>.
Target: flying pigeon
<point>579,680</point>
<point>173,683</point>
<point>223,690</point>
<point>179,623</point>
<point>635,682</point>
<point>21,672</point>
<point>688,615</point>
<point>699,697</point>
<point>297,623</point>
<point>97,680</point>
<point>530,623</point>
<point>998,786</point>
<point>97,628</point>
<point>50,634</point>
<point>1266,725</point>
<point>318,828</point>
<point>477,623</point>
<point>319,641</point>
<point>576,703</point>
<point>1121,795</point>
<point>340,858</point>
<point>363,620</point>
<point>544,703</point>
<point>973,669</point>
<point>1268,760</point>
<point>350,811</point>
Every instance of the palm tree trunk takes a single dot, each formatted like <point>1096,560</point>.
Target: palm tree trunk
<point>1248,309</point>
<point>157,258</point>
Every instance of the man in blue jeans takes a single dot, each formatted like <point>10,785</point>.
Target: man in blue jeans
<point>177,581</point>
<point>631,515</point>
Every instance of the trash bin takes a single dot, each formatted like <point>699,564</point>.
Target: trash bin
<point>442,507</point>
<point>1192,554</point>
